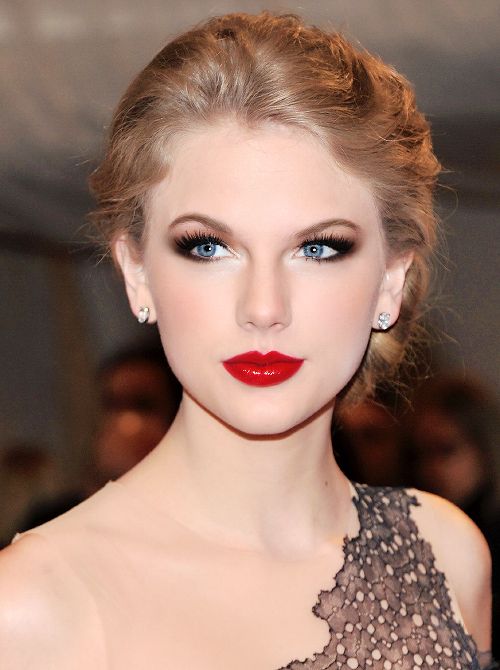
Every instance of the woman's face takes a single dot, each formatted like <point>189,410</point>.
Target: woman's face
<point>257,241</point>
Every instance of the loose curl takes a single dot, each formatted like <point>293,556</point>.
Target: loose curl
<point>268,68</point>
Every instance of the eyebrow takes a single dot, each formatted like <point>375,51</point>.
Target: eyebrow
<point>201,218</point>
<point>318,228</point>
<point>220,227</point>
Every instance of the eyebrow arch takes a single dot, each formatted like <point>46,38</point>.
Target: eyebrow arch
<point>203,219</point>
<point>318,228</point>
<point>220,227</point>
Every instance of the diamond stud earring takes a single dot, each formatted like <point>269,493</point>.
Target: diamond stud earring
<point>143,316</point>
<point>384,320</point>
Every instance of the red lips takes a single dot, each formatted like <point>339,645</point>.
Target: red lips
<point>258,369</point>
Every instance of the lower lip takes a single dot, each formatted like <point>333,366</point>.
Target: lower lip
<point>267,374</point>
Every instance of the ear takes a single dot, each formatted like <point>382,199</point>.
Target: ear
<point>391,289</point>
<point>130,262</point>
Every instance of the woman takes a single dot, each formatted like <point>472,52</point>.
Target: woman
<point>266,193</point>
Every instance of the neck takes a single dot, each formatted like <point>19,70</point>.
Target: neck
<point>281,494</point>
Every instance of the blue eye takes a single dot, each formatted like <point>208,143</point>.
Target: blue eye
<point>318,251</point>
<point>326,248</point>
<point>206,250</point>
<point>202,247</point>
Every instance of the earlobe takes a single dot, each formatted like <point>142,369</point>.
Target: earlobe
<point>131,265</point>
<point>391,292</point>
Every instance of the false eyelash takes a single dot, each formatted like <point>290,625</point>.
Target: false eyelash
<point>189,241</point>
<point>342,245</point>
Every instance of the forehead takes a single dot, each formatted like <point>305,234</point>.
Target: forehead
<point>273,173</point>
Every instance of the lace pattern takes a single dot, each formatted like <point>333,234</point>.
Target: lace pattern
<point>389,608</point>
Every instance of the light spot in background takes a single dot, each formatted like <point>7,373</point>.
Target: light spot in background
<point>7,28</point>
<point>60,24</point>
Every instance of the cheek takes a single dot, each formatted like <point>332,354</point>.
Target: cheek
<point>189,312</point>
<point>178,295</point>
<point>340,319</point>
<point>343,306</point>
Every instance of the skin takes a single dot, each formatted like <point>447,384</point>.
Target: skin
<point>267,186</point>
<point>243,490</point>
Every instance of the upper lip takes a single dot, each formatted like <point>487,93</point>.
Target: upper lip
<point>256,358</point>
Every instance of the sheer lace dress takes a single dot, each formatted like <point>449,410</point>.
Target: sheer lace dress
<point>389,608</point>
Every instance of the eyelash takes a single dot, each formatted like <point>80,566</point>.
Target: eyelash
<point>342,245</point>
<point>189,241</point>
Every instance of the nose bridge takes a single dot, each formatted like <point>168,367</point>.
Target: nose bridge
<point>264,297</point>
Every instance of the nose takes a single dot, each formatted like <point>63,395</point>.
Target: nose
<point>264,299</point>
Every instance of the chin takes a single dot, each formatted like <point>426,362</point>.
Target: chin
<point>269,421</point>
<point>260,429</point>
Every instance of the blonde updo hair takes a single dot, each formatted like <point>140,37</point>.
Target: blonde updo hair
<point>274,68</point>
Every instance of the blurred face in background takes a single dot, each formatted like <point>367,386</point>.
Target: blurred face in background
<point>447,462</point>
<point>137,409</point>
<point>373,444</point>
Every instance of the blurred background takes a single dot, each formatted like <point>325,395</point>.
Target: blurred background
<point>64,65</point>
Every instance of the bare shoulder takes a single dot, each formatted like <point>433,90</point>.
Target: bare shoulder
<point>46,618</point>
<point>463,555</point>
